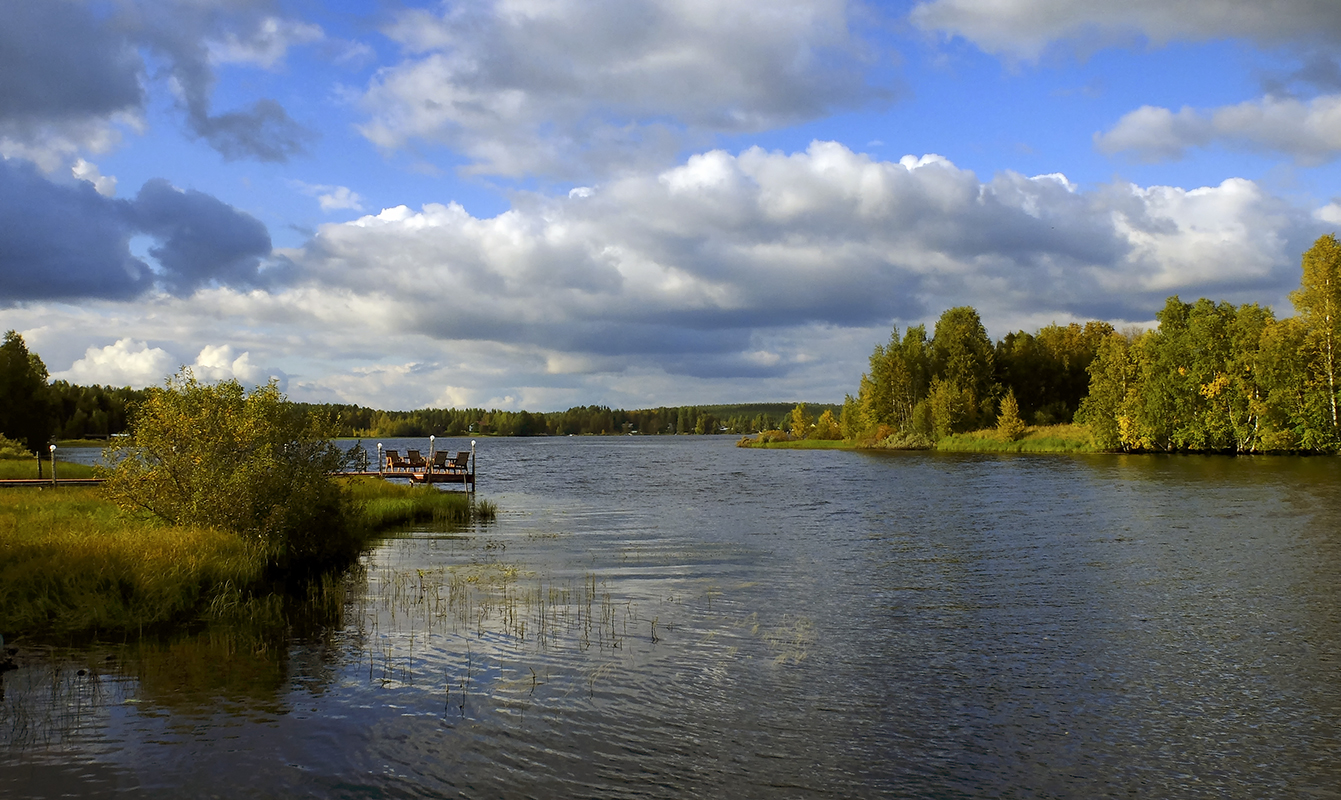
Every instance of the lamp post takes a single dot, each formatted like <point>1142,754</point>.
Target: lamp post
<point>380,460</point>
<point>472,466</point>
<point>53,466</point>
<point>431,440</point>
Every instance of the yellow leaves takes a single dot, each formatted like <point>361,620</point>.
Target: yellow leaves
<point>1213,389</point>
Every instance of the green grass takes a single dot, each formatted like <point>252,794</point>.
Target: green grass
<point>1037,439</point>
<point>20,468</point>
<point>798,444</point>
<point>73,565</point>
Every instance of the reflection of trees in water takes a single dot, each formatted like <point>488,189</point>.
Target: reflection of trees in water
<point>246,662</point>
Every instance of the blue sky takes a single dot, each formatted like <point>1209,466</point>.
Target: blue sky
<point>537,204</point>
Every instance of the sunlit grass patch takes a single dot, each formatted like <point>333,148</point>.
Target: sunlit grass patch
<point>1068,438</point>
<point>73,564</point>
<point>70,562</point>
<point>26,468</point>
<point>381,504</point>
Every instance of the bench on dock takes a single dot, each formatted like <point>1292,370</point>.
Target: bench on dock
<point>459,464</point>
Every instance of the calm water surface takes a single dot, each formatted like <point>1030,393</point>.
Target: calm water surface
<point>672,616</point>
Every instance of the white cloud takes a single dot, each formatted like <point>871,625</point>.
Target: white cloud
<point>221,363</point>
<point>1330,213</point>
<point>332,198</point>
<point>1307,131</point>
<point>266,45</point>
<point>85,171</point>
<point>53,145</point>
<point>577,86</point>
<point>682,268</point>
<point>1024,28</point>
<point>126,362</point>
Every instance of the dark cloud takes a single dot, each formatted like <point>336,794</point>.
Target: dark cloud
<point>66,64</point>
<point>62,242</point>
<point>57,62</point>
<point>202,239</point>
<point>264,132</point>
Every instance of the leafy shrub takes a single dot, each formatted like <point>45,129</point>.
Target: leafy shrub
<point>10,449</point>
<point>250,463</point>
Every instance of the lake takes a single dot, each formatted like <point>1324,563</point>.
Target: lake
<point>674,617</point>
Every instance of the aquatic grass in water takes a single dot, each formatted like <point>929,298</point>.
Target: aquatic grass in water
<point>381,504</point>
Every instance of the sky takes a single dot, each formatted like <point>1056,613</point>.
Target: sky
<point>546,203</point>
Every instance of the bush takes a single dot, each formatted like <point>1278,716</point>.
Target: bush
<point>251,463</point>
<point>10,449</point>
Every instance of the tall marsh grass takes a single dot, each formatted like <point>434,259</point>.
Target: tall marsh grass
<point>70,563</point>
<point>73,565</point>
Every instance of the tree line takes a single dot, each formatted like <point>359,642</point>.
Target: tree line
<point>596,420</point>
<point>1210,377</point>
<point>34,411</point>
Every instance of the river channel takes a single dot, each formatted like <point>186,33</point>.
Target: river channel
<point>676,617</point>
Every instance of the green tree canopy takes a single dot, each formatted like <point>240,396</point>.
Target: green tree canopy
<point>25,407</point>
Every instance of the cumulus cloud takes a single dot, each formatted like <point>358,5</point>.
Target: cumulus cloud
<point>1024,28</point>
<point>125,362</point>
<point>1307,131</point>
<point>577,86</point>
<point>686,270</point>
<point>128,362</point>
<point>62,241</point>
<point>222,362</point>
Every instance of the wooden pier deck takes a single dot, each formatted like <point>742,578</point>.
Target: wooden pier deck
<point>464,478</point>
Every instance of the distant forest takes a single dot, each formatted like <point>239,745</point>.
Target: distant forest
<point>34,412</point>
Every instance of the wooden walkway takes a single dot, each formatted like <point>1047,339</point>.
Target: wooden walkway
<point>465,478</point>
<point>40,482</point>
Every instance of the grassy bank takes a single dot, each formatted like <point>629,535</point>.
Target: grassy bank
<point>1037,439</point>
<point>798,444</point>
<point>72,565</point>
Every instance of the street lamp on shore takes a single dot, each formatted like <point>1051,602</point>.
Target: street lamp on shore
<point>380,460</point>
<point>53,466</point>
